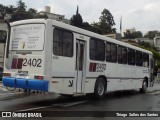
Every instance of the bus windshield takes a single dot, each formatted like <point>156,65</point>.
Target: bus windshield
<point>27,37</point>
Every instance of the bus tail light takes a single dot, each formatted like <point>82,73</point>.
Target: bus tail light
<point>38,77</point>
<point>7,74</point>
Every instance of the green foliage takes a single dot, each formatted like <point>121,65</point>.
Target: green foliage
<point>21,7</point>
<point>106,22</point>
<point>132,35</point>
<point>147,45</point>
<point>40,16</point>
<point>152,34</point>
<point>32,12</point>
<point>10,9</point>
<point>20,13</point>
<point>77,20</point>
<point>104,26</point>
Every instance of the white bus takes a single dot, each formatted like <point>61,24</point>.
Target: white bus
<point>48,55</point>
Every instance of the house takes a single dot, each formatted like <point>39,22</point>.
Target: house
<point>54,16</point>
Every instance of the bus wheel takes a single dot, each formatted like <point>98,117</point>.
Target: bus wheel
<point>100,88</point>
<point>144,87</point>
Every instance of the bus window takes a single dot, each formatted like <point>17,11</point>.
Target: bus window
<point>27,37</point>
<point>139,58</point>
<point>131,56</point>
<point>122,55</point>
<point>114,53</point>
<point>108,52</point>
<point>97,50</point>
<point>111,52</point>
<point>145,60</point>
<point>62,43</point>
<point>81,57</point>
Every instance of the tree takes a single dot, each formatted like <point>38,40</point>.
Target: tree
<point>20,13</point>
<point>96,28</point>
<point>152,34</point>
<point>21,7</point>
<point>132,35</point>
<point>10,9</point>
<point>31,13</point>
<point>2,10</point>
<point>86,26</point>
<point>106,22</point>
<point>77,20</point>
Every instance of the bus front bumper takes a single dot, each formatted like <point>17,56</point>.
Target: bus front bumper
<point>25,83</point>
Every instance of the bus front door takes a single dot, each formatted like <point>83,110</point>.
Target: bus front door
<point>80,61</point>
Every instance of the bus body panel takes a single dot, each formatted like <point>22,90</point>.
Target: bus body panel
<point>62,74</point>
<point>26,57</point>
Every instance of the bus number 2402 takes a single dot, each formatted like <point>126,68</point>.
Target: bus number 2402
<point>32,62</point>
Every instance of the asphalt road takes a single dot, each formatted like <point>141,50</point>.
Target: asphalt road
<point>82,107</point>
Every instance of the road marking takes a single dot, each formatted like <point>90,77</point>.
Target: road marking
<point>53,105</point>
<point>30,109</point>
<point>68,104</point>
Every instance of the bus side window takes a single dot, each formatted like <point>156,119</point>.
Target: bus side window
<point>108,52</point>
<point>62,43</point>
<point>131,56</point>
<point>114,53</point>
<point>145,60</point>
<point>97,49</point>
<point>139,61</point>
<point>67,44</point>
<point>122,55</point>
<point>111,52</point>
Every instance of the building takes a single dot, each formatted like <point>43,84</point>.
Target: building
<point>54,16</point>
<point>116,36</point>
<point>137,41</point>
<point>157,42</point>
<point>132,30</point>
<point>151,41</point>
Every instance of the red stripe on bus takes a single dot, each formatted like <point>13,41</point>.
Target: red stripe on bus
<point>94,67</point>
<point>19,65</point>
<point>90,67</point>
<point>14,63</point>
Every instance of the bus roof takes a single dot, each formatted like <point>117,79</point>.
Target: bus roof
<point>78,30</point>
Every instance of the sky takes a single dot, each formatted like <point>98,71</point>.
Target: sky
<point>143,15</point>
